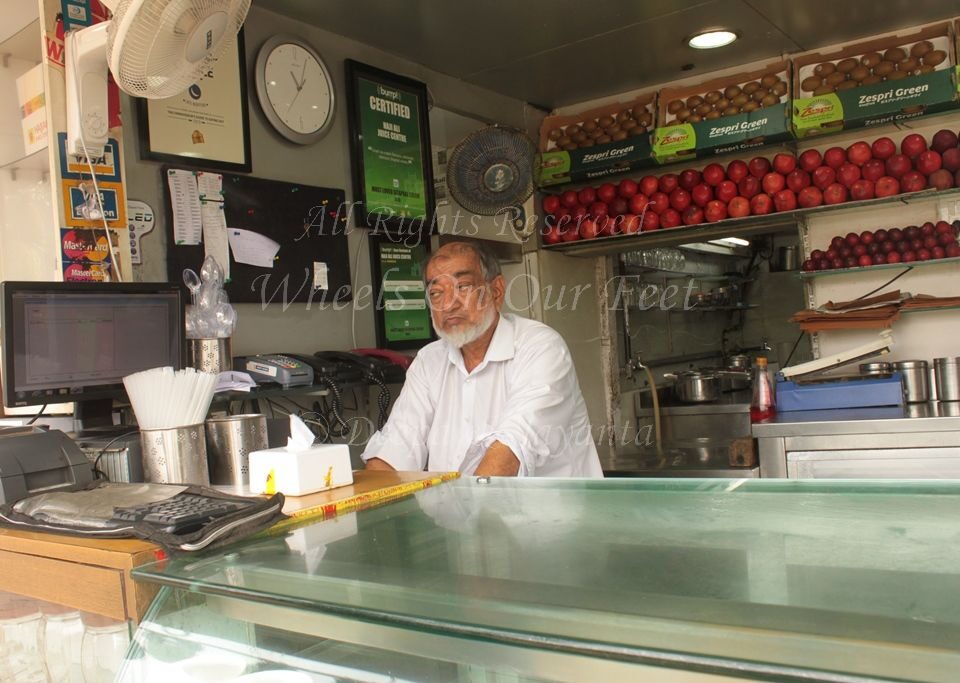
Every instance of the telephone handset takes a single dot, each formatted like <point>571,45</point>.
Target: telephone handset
<point>373,366</point>
<point>394,357</point>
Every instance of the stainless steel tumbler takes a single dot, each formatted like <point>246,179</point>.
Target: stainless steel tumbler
<point>230,440</point>
<point>175,456</point>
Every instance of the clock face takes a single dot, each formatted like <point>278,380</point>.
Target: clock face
<point>295,91</point>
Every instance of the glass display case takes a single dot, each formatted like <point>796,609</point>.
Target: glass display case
<point>573,580</point>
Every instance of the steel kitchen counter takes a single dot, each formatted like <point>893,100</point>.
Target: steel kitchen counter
<point>918,441</point>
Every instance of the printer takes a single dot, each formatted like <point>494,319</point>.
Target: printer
<point>35,460</point>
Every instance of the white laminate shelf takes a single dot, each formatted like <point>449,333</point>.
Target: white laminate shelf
<point>37,161</point>
<point>25,42</point>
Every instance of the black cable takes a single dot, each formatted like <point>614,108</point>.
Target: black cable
<point>383,399</point>
<point>888,282</point>
<point>336,407</point>
<point>37,416</point>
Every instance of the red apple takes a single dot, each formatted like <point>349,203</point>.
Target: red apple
<point>930,241</point>
<point>879,259</point>
<point>551,235</point>
<point>610,225</point>
<point>865,260</point>
<point>913,181</point>
<point>713,174</point>
<point>606,192</point>
<point>759,167</point>
<point>859,153</point>
<point>911,232</point>
<point>824,176</point>
<point>861,189</point>
<point>569,199</point>
<point>913,145</point>
<point>816,255</point>
<point>924,255</point>
<point>659,202</point>
<point>738,207</point>
<point>670,218</point>
<point>938,252</point>
<point>618,206</point>
<point>953,250</point>
<point>689,178</point>
<point>945,240</point>
<point>578,212</point>
<point>837,242</point>
<point>928,162</point>
<point>862,249</point>
<point>650,221</point>
<point>627,188</point>
<point>942,179</point>
<point>866,237</point>
<point>810,159</point>
<point>568,231</point>
<point>798,179</point>
<point>701,194</point>
<point>598,209</point>
<point>943,227</point>
<point>784,163</point>
<point>848,174</point>
<point>773,183</point>
<point>589,229</point>
<point>630,224</point>
<point>886,186</point>
<point>894,257</point>
<point>551,203</point>
<point>909,256</point>
<point>785,200</point>
<point>761,204</point>
<point>897,165</point>
<point>693,215</point>
<point>943,140</point>
<point>835,157</point>
<point>680,199</point>
<point>638,203</point>
<point>587,196</point>
<point>928,229</point>
<point>951,159</point>
<point>726,190</point>
<point>809,197</point>
<point>716,211</point>
<point>873,170</point>
<point>895,235</point>
<point>748,186</point>
<point>852,239</point>
<point>737,170</point>
<point>649,184</point>
<point>883,148</point>
<point>835,193</point>
<point>808,265</point>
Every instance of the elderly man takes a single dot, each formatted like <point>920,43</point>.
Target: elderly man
<point>495,395</point>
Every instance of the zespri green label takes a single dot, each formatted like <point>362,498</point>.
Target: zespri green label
<point>392,153</point>
<point>590,163</point>
<point>720,136</point>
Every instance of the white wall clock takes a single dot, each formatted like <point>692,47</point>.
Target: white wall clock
<point>295,89</point>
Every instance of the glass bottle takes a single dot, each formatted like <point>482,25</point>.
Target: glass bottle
<point>62,643</point>
<point>105,643</point>
<point>763,404</point>
<point>21,656</point>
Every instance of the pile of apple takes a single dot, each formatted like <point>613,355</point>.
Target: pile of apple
<point>915,243</point>
<point>757,187</point>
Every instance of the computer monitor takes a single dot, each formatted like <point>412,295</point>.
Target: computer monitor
<point>66,341</point>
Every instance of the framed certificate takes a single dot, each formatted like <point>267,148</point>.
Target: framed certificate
<point>207,125</point>
<point>390,152</point>
<point>402,315</point>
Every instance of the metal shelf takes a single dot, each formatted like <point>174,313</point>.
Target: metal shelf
<point>806,275</point>
<point>742,227</point>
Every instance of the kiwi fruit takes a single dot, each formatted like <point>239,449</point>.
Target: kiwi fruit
<point>694,118</point>
<point>605,121</point>
<point>751,87</point>
<point>610,130</point>
<point>859,72</point>
<point>704,109</point>
<point>925,68</point>
<point>909,65</point>
<point>871,79</point>
<point>731,110</point>
<point>769,100</point>
<point>934,57</point>
<point>846,65</point>
<point>811,83</point>
<point>779,88</point>
<point>694,101</point>
<point>646,118</point>
<point>563,141</point>
<point>587,143</point>
<point>572,130</point>
<point>920,49</point>
<point>555,134</point>
<point>619,135</point>
<point>570,146</point>
<point>835,78</point>
<point>846,85</point>
<point>740,100</point>
<point>751,106</point>
<point>683,114</point>
<point>731,91</point>
<point>594,134</point>
<point>579,136</point>
<point>769,80</point>
<point>629,124</point>
<point>721,104</point>
<point>712,96</point>
<point>871,59</point>
<point>897,75</point>
<point>823,90</point>
<point>759,95</point>
<point>603,139</point>
<point>624,115</point>
<point>712,115</point>
<point>895,55</point>
<point>824,69</point>
<point>674,106</point>
<point>884,68</point>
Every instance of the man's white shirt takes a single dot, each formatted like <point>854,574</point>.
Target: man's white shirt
<point>523,394</point>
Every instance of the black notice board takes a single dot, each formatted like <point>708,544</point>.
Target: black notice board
<point>309,223</point>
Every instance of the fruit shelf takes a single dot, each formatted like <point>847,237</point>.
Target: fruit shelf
<point>806,275</point>
<point>740,227</point>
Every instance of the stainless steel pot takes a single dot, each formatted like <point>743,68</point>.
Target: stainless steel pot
<point>694,386</point>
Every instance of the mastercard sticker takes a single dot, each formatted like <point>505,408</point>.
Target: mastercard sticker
<point>84,245</point>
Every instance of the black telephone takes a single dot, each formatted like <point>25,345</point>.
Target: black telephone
<point>373,367</point>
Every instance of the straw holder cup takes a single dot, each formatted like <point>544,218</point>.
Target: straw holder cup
<point>210,355</point>
<point>175,456</point>
<point>230,441</point>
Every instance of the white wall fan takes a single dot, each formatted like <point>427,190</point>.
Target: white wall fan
<point>154,48</point>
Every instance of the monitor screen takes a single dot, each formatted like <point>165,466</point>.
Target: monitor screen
<point>76,341</point>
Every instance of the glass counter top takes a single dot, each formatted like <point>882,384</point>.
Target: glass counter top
<point>769,579</point>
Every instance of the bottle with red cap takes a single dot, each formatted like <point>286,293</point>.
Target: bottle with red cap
<point>763,404</point>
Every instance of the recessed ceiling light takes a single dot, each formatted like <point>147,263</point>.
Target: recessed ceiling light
<point>711,39</point>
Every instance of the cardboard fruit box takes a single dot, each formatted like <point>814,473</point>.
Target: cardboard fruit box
<point>724,115</point>
<point>607,140</point>
<point>889,78</point>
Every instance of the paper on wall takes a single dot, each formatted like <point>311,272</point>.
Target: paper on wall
<point>252,248</point>
<point>210,186</point>
<point>185,200</point>
<point>321,278</point>
<point>215,240</point>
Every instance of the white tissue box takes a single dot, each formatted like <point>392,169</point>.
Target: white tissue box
<point>301,471</point>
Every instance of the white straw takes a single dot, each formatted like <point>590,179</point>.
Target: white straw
<point>164,399</point>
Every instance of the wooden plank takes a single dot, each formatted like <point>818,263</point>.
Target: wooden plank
<point>91,589</point>
<point>115,553</point>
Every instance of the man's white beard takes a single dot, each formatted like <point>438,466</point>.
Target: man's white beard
<point>465,335</point>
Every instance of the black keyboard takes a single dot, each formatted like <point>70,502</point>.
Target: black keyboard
<point>181,514</point>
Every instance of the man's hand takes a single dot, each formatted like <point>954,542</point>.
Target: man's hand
<point>498,461</point>
<point>378,464</point>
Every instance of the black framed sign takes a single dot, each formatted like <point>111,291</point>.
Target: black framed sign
<point>402,315</point>
<point>390,151</point>
<point>207,125</point>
